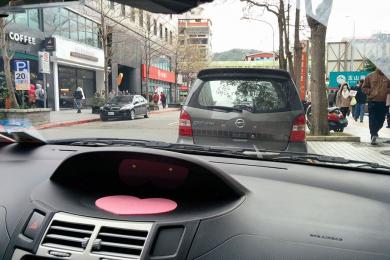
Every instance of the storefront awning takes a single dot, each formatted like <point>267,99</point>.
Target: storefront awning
<point>24,56</point>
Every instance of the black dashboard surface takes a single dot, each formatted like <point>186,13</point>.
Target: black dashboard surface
<point>264,209</point>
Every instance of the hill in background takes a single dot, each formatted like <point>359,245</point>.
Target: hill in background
<point>233,54</point>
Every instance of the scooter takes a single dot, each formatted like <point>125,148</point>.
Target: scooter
<point>336,120</point>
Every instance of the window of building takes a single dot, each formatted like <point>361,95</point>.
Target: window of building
<point>166,34</point>
<point>21,19</point>
<point>95,31</point>
<point>161,31</point>
<point>33,18</point>
<point>148,25</point>
<point>81,29</point>
<point>73,26</point>
<point>141,18</point>
<point>112,4</point>
<point>155,26</point>
<point>181,42</point>
<point>132,14</point>
<point>64,23</point>
<point>123,10</point>
<point>170,37</point>
<point>89,32</point>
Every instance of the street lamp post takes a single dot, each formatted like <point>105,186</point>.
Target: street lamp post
<point>270,25</point>
<point>353,39</point>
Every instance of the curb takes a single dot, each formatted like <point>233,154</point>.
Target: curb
<point>354,139</point>
<point>85,121</point>
<point>67,123</point>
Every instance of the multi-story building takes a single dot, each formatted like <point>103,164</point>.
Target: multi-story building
<point>196,33</point>
<point>79,57</point>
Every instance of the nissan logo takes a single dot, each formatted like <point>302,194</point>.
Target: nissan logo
<point>240,123</point>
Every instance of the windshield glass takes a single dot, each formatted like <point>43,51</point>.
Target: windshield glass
<point>284,75</point>
<point>121,99</point>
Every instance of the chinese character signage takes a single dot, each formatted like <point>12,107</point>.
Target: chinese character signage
<point>44,62</point>
<point>350,77</point>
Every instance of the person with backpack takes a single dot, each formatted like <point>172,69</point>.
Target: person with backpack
<point>78,98</point>
<point>40,96</point>
<point>163,99</point>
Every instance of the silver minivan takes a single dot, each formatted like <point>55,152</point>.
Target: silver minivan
<point>246,108</point>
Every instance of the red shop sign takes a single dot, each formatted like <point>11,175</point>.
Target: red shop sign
<point>158,74</point>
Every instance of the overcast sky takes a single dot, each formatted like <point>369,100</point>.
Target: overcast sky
<point>229,31</point>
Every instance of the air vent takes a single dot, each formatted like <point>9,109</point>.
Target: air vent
<point>67,235</point>
<point>117,242</point>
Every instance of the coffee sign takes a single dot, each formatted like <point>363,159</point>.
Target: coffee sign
<point>21,38</point>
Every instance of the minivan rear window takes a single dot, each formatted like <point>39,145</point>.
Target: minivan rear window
<point>256,96</point>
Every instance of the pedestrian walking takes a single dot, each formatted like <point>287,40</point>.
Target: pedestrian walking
<point>78,98</point>
<point>112,94</point>
<point>156,98</point>
<point>343,99</point>
<point>361,100</point>
<point>40,96</point>
<point>377,87</point>
<point>331,98</point>
<point>31,95</point>
<point>163,99</point>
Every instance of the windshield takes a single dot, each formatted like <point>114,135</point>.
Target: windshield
<point>121,99</point>
<point>291,76</point>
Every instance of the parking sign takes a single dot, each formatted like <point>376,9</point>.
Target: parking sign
<point>22,74</point>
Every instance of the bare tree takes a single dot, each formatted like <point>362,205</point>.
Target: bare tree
<point>275,7</point>
<point>297,46</point>
<point>7,55</point>
<point>317,80</point>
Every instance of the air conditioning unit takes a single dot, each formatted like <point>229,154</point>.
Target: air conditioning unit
<point>118,242</point>
<point>67,235</point>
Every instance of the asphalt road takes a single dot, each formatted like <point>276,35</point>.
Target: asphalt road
<point>159,127</point>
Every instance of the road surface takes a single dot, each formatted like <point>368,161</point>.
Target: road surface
<point>159,127</point>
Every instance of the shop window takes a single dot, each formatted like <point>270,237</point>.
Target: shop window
<point>73,26</point>
<point>81,31</point>
<point>64,22</point>
<point>155,26</point>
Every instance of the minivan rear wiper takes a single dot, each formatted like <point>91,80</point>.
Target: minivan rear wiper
<point>224,108</point>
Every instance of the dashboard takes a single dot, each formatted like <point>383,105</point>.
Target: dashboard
<point>107,203</point>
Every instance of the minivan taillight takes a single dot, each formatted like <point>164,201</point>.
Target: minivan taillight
<point>185,127</point>
<point>298,131</point>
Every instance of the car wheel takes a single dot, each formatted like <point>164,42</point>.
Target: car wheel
<point>147,113</point>
<point>132,114</point>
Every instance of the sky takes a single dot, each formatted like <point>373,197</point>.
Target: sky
<point>230,31</point>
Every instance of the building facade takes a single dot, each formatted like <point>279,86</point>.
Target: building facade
<point>261,56</point>
<point>78,59</point>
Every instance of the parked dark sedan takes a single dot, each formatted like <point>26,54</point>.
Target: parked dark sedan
<point>125,107</point>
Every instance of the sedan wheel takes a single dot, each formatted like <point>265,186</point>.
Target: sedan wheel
<point>147,113</point>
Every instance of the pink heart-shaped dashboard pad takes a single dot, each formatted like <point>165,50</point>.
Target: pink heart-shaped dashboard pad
<point>129,205</point>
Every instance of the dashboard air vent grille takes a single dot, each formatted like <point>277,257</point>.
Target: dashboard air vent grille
<point>67,235</point>
<point>118,242</point>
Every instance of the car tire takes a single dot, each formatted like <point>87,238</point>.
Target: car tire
<point>147,114</point>
<point>132,114</point>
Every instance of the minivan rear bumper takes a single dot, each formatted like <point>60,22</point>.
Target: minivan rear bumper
<point>292,146</point>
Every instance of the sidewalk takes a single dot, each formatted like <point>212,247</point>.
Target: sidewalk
<point>362,151</point>
<point>69,117</point>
